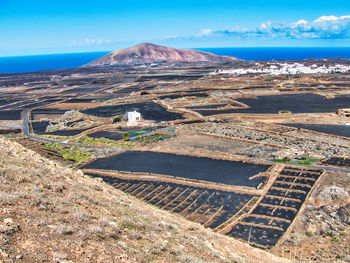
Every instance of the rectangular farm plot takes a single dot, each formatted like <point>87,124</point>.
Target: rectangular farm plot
<point>189,167</point>
<point>296,103</point>
<point>149,111</point>
<point>46,111</point>
<point>234,214</point>
<point>337,161</point>
<point>208,207</point>
<point>277,209</point>
<point>10,115</point>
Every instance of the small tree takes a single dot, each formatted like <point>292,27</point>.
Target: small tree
<point>125,136</point>
<point>117,119</point>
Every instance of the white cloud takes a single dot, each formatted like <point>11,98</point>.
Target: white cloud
<point>205,32</point>
<point>89,42</point>
<point>326,18</point>
<point>302,22</point>
<point>171,36</point>
<point>324,27</point>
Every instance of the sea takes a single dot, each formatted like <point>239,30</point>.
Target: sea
<point>34,63</point>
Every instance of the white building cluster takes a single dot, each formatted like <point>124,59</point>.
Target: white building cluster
<point>286,69</point>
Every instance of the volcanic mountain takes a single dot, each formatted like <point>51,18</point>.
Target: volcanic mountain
<point>149,53</point>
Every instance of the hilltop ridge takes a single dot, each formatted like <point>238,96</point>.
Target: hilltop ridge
<point>149,53</point>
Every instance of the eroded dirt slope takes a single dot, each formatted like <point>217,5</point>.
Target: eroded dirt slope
<point>49,213</point>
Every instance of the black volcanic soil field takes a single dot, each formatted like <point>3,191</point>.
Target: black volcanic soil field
<point>261,222</point>
<point>218,171</point>
<point>296,103</point>
<point>150,111</point>
<point>48,111</point>
<point>205,206</point>
<point>10,115</point>
<point>107,134</point>
<point>340,130</point>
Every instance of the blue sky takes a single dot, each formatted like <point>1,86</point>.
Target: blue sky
<point>50,26</point>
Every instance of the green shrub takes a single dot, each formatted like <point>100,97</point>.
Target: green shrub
<point>335,239</point>
<point>86,140</point>
<point>309,234</point>
<point>76,154</point>
<point>125,136</point>
<point>117,119</point>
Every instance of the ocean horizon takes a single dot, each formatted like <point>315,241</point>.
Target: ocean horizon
<point>33,63</point>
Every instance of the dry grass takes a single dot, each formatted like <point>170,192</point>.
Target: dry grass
<point>49,213</point>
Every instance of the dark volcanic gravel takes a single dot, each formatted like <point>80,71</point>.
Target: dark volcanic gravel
<point>296,103</point>
<point>39,127</point>
<point>219,171</point>
<point>106,134</point>
<point>10,115</point>
<point>148,110</point>
<point>340,130</point>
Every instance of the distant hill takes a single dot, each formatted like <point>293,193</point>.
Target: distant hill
<point>149,53</point>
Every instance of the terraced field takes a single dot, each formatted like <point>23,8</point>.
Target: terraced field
<point>260,220</point>
<point>275,212</point>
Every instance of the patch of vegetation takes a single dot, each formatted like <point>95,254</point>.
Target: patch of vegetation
<point>86,140</point>
<point>324,108</point>
<point>53,128</point>
<point>343,234</point>
<point>335,239</point>
<point>320,252</point>
<point>55,137</point>
<point>136,133</point>
<point>117,119</point>
<point>309,234</point>
<point>125,136</point>
<point>284,160</point>
<point>149,138</point>
<point>306,161</point>
<point>76,154</point>
<point>127,225</point>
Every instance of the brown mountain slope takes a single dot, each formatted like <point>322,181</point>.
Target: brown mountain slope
<point>51,213</point>
<point>148,53</point>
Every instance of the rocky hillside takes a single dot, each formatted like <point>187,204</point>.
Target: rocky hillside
<point>148,53</point>
<point>50,213</point>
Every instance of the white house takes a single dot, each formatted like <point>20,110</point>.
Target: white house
<point>133,116</point>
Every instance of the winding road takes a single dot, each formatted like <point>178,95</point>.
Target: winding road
<point>37,138</point>
<point>112,149</point>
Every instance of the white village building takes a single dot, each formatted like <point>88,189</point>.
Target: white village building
<point>133,116</point>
